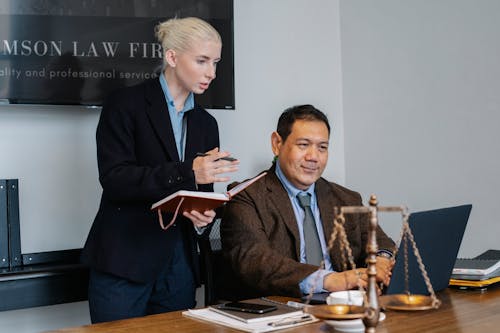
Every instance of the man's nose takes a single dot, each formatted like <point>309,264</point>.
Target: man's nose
<point>312,153</point>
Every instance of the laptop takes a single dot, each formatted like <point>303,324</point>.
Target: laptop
<point>438,234</point>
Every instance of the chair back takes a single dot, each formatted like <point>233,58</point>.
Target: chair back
<point>220,281</point>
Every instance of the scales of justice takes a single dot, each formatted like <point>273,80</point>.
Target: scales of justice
<point>370,311</point>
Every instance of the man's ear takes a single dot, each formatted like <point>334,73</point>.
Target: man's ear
<point>171,58</point>
<point>276,143</point>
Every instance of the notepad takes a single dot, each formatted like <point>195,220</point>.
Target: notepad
<point>475,266</point>
<point>187,201</point>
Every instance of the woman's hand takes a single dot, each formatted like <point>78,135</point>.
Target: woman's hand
<point>207,168</point>
<point>200,220</point>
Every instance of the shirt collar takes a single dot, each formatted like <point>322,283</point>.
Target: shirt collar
<point>188,104</point>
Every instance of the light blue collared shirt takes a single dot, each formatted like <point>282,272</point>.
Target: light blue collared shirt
<point>176,118</point>
<point>315,280</point>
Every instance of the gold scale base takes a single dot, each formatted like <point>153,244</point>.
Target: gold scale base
<point>398,302</point>
<point>408,302</point>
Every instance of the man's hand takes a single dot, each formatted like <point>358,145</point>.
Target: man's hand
<point>354,278</point>
<point>384,269</point>
<point>346,280</point>
<point>207,168</point>
<point>200,220</point>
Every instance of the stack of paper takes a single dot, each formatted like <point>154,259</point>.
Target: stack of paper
<point>267,325</point>
<point>283,317</point>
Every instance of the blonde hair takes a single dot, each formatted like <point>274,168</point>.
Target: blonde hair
<point>179,34</point>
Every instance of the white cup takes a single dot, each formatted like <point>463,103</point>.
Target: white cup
<point>349,297</point>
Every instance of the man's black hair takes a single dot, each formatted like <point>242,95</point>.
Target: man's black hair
<point>299,112</point>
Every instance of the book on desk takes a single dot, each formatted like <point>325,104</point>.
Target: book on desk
<point>481,265</point>
<point>478,272</point>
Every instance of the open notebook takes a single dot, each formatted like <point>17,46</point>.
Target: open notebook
<point>186,201</point>
<point>200,201</point>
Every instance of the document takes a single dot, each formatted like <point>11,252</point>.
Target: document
<point>182,201</point>
<point>254,327</point>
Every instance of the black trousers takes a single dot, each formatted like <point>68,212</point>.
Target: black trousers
<point>112,297</point>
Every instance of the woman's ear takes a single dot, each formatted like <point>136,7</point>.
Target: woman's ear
<point>276,143</point>
<point>171,58</point>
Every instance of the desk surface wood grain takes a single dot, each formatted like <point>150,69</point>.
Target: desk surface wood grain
<point>464,311</point>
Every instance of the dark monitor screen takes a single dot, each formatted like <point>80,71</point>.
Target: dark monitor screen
<point>77,51</point>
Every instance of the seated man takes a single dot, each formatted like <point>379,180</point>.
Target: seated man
<point>265,229</point>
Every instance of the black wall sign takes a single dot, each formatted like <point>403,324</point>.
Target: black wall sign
<point>75,52</point>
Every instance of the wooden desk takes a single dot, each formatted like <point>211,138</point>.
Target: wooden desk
<point>464,311</point>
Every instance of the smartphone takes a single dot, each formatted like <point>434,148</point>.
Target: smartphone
<point>247,307</point>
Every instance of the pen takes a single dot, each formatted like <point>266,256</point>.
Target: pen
<point>292,304</point>
<point>297,304</point>
<point>291,321</point>
<point>227,158</point>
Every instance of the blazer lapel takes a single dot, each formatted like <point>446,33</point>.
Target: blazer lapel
<point>326,208</point>
<point>157,111</point>
<point>327,203</point>
<point>280,202</point>
<point>193,135</point>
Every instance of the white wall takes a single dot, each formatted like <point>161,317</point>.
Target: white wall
<point>421,82</point>
<point>286,53</point>
<point>51,150</point>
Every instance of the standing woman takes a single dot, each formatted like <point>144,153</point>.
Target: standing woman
<point>148,138</point>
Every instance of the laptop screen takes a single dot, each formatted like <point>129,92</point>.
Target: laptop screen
<point>438,234</point>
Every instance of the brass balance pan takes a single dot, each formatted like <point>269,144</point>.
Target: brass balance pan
<point>408,302</point>
<point>336,311</point>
